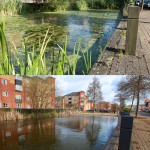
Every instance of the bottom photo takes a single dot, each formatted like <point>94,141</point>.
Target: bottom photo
<point>101,112</point>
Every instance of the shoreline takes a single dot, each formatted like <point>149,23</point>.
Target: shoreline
<point>22,117</point>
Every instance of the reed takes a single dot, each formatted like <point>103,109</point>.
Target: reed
<point>11,7</point>
<point>32,61</point>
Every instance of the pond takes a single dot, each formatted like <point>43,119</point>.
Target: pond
<point>91,28</point>
<point>79,133</point>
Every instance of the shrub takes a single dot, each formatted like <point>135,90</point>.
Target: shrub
<point>128,110</point>
<point>82,5</point>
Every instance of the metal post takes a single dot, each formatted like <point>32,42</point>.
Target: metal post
<point>132,29</point>
<point>125,132</point>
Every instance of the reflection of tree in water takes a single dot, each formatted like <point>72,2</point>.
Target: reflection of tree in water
<point>42,134</point>
<point>92,130</point>
<point>77,124</point>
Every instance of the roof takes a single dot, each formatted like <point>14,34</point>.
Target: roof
<point>74,93</point>
<point>148,100</point>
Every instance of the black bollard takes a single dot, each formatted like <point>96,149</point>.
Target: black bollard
<point>125,132</point>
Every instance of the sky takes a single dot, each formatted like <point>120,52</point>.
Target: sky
<point>76,83</point>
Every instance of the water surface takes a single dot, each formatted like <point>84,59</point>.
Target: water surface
<point>91,28</point>
<point>79,133</point>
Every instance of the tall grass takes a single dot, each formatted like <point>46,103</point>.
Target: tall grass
<point>33,61</point>
<point>10,7</point>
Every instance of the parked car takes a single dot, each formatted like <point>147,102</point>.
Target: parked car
<point>138,2</point>
<point>146,4</point>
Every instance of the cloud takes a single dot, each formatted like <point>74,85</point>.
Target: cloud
<point>77,83</point>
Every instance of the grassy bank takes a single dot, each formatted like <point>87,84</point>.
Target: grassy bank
<point>12,7</point>
<point>14,114</point>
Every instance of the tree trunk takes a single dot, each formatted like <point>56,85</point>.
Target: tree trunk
<point>142,5</point>
<point>138,96</point>
<point>94,107</point>
<point>132,101</point>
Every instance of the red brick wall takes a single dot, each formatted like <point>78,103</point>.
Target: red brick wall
<point>11,98</point>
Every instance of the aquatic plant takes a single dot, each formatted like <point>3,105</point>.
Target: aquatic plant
<point>87,60</point>
<point>5,67</point>
<point>32,61</point>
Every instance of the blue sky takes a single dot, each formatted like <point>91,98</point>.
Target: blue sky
<point>76,83</point>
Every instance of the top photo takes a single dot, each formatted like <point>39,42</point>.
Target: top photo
<point>74,37</point>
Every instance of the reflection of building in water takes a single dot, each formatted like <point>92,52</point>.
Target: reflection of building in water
<point>76,124</point>
<point>13,135</point>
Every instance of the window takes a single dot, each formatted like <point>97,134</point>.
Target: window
<point>18,106</point>
<point>28,107</point>
<point>5,93</point>
<point>18,77</point>
<point>4,82</point>
<point>27,98</point>
<point>18,99</point>
<point>82,101</point>
<point>18,96</point>
<point>5,105</point>
<point>18,87</point>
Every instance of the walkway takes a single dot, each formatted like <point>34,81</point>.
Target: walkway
<point>140,135</point>
<point>114,62</point>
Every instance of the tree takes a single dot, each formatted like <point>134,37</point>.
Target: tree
<point>59,98</point>
<point>41,93</point>
<point>120,97</point>
<point>94,92</point>
<point>127,90</point>
<point>114,107</point>
<point>135,87</point>
<point>142,4</point>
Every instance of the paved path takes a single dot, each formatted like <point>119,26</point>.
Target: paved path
<point>140,135</point>
<point>114,62</point>
<point>144,113</point>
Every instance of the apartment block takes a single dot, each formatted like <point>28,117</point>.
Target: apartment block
<point>147,104</point>
<point>13,93</point>
<point>75,100</point>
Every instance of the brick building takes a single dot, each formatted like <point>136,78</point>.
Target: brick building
<point>147,104</point>
<point>75,100</point>
<point>13,93</point>
<point>89,105</point>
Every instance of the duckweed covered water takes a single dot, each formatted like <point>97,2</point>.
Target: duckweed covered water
<point>92,27</point>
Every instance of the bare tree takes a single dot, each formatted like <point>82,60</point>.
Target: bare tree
<point>114,107</point>
<point>40,92</point>
<point>135,87</point>
<point>120,97</point>
<point>127,90</point>
<point>59,97</point>
<point>94,92</point>
<point>142,5</point>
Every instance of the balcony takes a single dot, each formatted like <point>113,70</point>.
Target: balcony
<point>18,100</point>
<point>82,101</point>
<point>19,78</point>
<point>18,88</point>
<point>69,100</point>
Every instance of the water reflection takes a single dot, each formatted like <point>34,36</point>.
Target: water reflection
<point>93,27</point>
<point>90,133</point>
